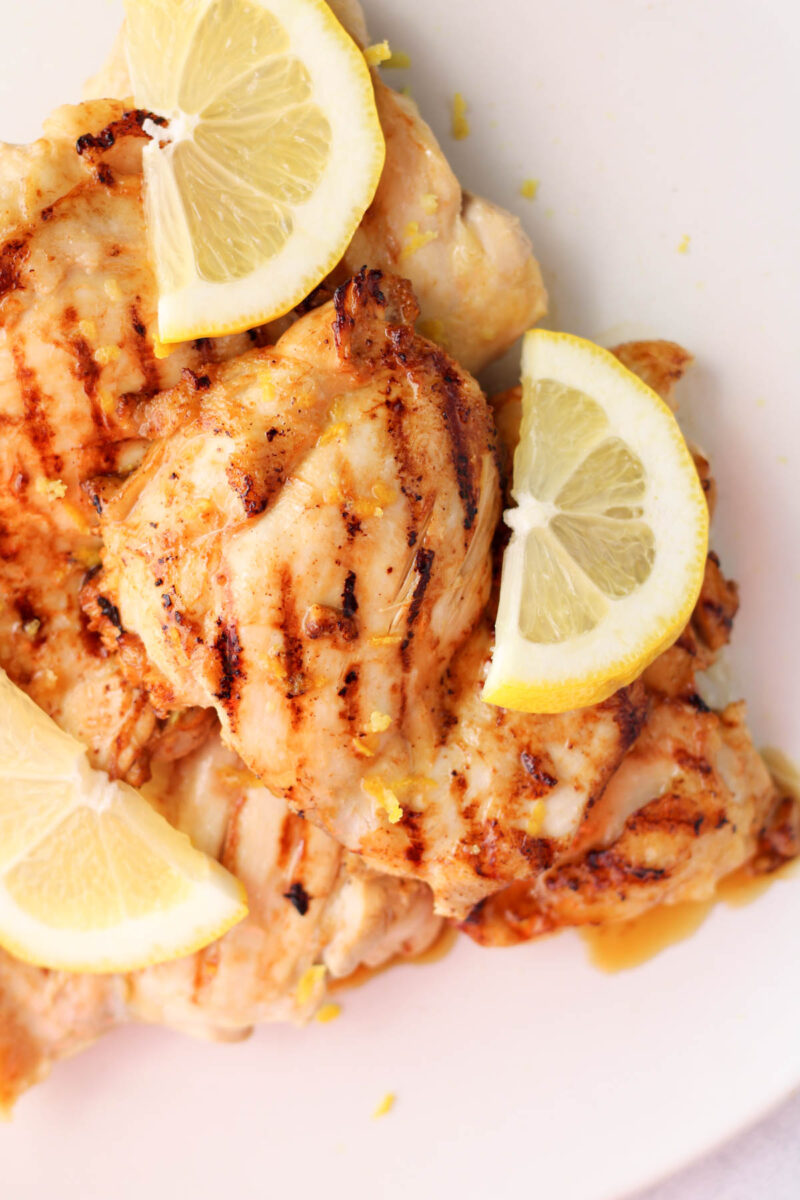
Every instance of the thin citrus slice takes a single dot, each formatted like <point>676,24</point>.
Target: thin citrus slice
<point>270,155</point>
<point>610,532</point>
<point>91,877</point>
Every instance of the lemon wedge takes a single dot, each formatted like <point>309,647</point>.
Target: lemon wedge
<point>609,536</point>
<point>91,877</point>
<point>270,155</point>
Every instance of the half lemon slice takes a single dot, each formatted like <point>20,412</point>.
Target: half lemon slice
<point>609,536</point>
<point>270,155</point>
<point>91,877</point>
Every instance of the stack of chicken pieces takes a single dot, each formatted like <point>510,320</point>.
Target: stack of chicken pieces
<point>256,577</point>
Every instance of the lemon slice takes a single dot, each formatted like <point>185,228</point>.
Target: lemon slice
<point>610,532</point>
<point>271,153</point>
<point>91,877</point>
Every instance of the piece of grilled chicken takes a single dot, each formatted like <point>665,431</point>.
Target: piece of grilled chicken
<point>692,801</point>
<point>77,364</point>
<point>306,548</point>
<point>311,903</point>
<point>477,282</point>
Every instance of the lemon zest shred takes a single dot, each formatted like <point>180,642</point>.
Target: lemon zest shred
<point>377,53</point>
<point>334,433</point>
<point>309,984</point>
<point>386,1105</point>
<point>51,489</point>
<point>112,289</point>
<point>536,818</point>
<point>87,329</point>
<point>388,639</point>
<point>376,788</point>
<point>378,722</point>
<point>684,243</point>
<point>104,355</point>
<point>415,240</point>
<point>430,203</point>
<point>328,1013</point>
<point>529,188</point>
<point>361,748</point>
<point>31,628</point>
<point>460,124</point>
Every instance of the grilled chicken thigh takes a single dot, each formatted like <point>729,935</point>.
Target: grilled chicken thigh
<point>306,547</point>
<point>310,902</point>
<point>77,368</point>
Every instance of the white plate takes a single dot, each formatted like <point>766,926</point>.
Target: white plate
<point>526,1072</point>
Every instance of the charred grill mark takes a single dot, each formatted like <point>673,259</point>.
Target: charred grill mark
<point>12,258</point>
<point>84,367</point>
<point>415,850</point>
<point>456,414</point>
<point>349,601</point>
<point>200,383</point>
<point>293,829</point>
<point>408,477</point>
<point>130,124</point>
<point>110,612</point>
<point>423,565</point>
<point>105,175</point>
<point>691,762</point>
<point>607,862</point>
<point>298,897</point>
<point>35,419</point>
<point>534,766</point>
<point>293,662</point>
<point>144,352</point>
<point>630,708</point>
<point>349,693</point>
<point>228,650</point>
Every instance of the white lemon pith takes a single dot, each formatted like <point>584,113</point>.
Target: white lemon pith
<point>271,154</point>
<point>91,877</point>
<point>610,532</point>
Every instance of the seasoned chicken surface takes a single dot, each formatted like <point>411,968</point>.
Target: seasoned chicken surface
<point>306,547</point>
<point>477,282</point>
<point>311,904</point>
